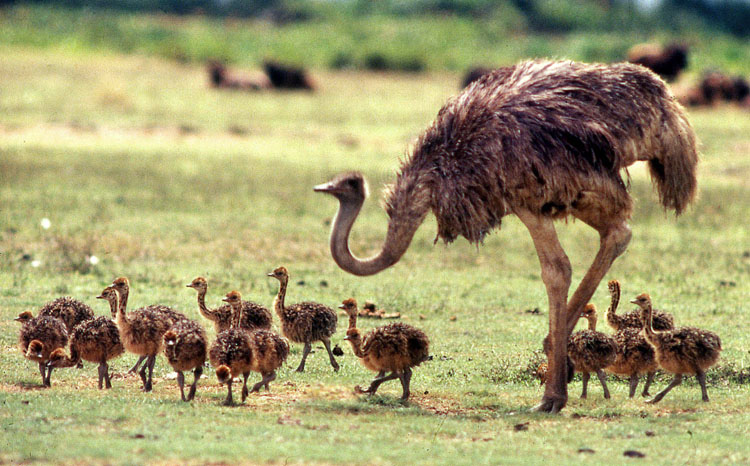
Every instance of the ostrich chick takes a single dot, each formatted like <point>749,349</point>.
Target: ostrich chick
<point>635,356</point>
<point>122,286</point>
<point>231,354</point>
<point>142,332</point>
<point>269,350</point>
<point>304,322</point>
<point>591,351</point>
<point>185,348</point>
<point>684,350</point>
<point>38,338</point>
<point>632,319</point>
<point>96,340</point>
<point>71,311</point>
<point>394,348</point>
<point>254,316</point>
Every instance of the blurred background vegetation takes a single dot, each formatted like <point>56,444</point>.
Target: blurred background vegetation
<point>418,35</point>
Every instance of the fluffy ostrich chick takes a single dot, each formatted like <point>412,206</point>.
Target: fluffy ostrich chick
<point>96,340</point>
<point>254,315</point>
<point>681,351</point>
<point>185,346</point>
<point>305,322</point>
<point>38,338</point>
<point>394,348</point>
<point>591,351</point>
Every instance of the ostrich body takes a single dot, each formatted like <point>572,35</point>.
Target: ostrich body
<point>141,331</point>
<point>71,311</point>
<point>122,286</point>
<point>254,316</point>
<point>304,322</point>
<point>38,338</point>
<point>95,340</point>
<point>394,348</point>
<point>544,141</point>
<point>185,346</point>
<point>632,319</point>
<point>591,351</point>
<point>684,350</point>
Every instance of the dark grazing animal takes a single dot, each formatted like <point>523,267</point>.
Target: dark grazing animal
<point>220,77</point>
<point>667,61</point>
<point>543,140</point>
<point>287,77</point>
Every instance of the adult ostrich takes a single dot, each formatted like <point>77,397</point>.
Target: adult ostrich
<point>543,140</point>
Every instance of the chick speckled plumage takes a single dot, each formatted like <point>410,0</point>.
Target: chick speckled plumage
<point>38,338</point>
<point>254,315</point>
<point>71,311</point>
<point>185,346</point>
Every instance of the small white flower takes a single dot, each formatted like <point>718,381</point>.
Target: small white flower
<point>46,223</point>
<point>36,263</point>
<point>93,260</point>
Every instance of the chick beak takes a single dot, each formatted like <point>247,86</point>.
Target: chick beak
<point>324,188</point>
<point>341,306</point>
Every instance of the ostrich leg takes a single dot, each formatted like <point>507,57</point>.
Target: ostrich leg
<point>613,240</point>
<point>556,272</point>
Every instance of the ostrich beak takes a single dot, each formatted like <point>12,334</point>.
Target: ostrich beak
<point>341,306</point>
<point>226,300</point>
<point>634,301</point>
<point>189,285</point>
<point>324,188</point>
<point>270,274</point>
<point>101,296</point>
<point>347,337</point>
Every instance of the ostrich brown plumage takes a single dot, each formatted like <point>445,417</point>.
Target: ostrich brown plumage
<point>185,346</point>
<point>684,350</point>
<point>95,340</point>
<point>38,338</point>
<point>122,286</point>
<point>141,331</point>
<point>394,348</point>
<point>632,319</point>
<point>254,316</point>
<point>269,350</point>
<point>591,351</point>
<point>71,311</point>
<point>304,322</point>
<point>542,140</point>
<point>231,354</point>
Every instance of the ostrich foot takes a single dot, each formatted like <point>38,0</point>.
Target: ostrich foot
<point>551,406</point>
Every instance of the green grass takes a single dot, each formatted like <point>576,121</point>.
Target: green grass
<point>134,160</point>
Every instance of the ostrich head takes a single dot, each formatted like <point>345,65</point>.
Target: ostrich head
<point>589,313</point>
<point>643,300</point>
<point>199,284</point>
<point>353,336</point>
<point>121,284</point>
<point>349,306</point>
<point>233,298</point>
<point>24,317</point>
<point>170,338</point>
<point>280,274</point>
<point>110,294</point>
<point>347,187</point>
<point>35,350</point>
<point>57,358</point>
<point>223,374</point>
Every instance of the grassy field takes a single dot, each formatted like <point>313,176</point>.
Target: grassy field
<point>136,161</point>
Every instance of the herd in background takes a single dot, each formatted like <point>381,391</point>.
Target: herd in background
<point>244,342</point>
<point>645,340</point>
<point>713,87</point>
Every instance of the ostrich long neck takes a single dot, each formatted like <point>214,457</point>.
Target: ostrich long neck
<point>592,323</point>
<point>236,314</point>
<point>648,322</point>
<point>353,319</point>
<point>612,310</point>
<point>357,347</point>
<point>401,228</point>
<point>205,311</point>
<point>124,298</point>
<point>278,303</point>
<point>121,313</point>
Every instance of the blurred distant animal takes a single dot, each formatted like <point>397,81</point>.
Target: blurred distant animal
<point>220,77</point>
<point>287,77</point>
<point>716,87</point>
<point>667,61</point>
<point>542,140</point>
